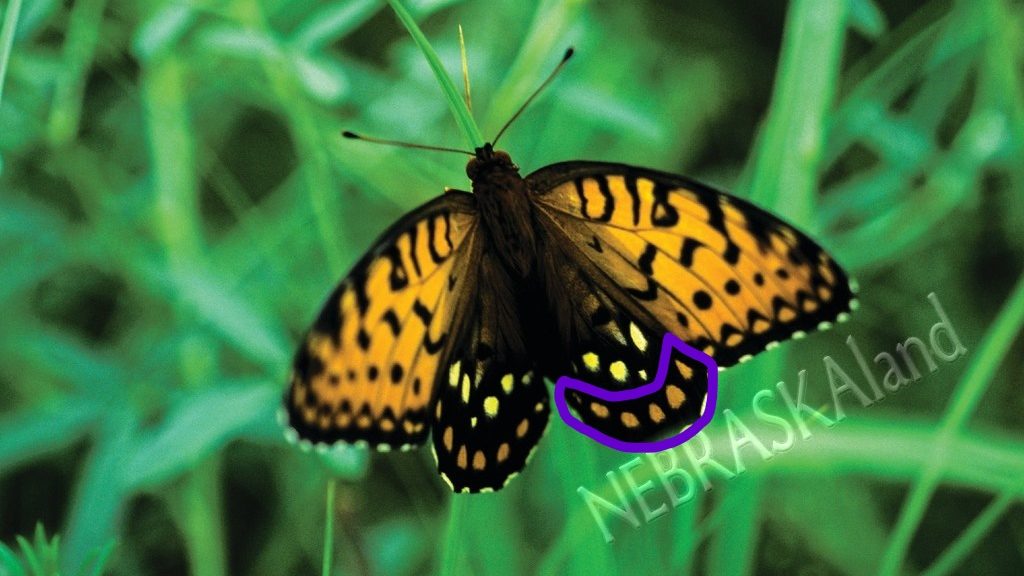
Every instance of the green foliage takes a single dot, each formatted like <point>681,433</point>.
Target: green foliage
<point>39,557</point>
<point>176,201</point>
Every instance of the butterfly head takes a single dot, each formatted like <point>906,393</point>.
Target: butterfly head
<point>488,161</point>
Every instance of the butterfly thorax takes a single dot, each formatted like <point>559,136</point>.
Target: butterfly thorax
<point>505,209</point>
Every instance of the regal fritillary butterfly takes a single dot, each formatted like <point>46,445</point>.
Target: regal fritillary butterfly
<point>451,323</point>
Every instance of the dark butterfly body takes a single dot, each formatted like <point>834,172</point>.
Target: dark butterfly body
<point>451,323</point>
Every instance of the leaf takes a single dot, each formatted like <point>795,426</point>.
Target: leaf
<point>458,106</point>
<point>9,563</point>
<point>44,429</point>
<point>324,79</point>
<point>162,30</point>
<point>196,426</point>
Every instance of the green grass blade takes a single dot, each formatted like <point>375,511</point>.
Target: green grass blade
<point>547,37</point>
<point>790,148</point>
<point>957,552</point>
<point>965,398</point>
<point>458,107</point>
<point>332,22</point>
<point>7,39</point>
<point>99,560</point>
<point>452,539</point>
<point>99,495</point>
<point>9,563</point>
<point>329,528</point>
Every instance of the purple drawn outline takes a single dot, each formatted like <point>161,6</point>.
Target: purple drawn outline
<point>670,342</point>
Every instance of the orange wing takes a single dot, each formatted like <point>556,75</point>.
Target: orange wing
<point>642,253</point>
<point>724,275</point>
<point>367,367</point>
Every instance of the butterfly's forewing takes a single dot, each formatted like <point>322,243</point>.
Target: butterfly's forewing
<point>492,408</point>
<point>727,277</point>
<point>366,369</point>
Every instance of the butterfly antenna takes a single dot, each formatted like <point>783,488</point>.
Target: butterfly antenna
<point>465,70</point>
<point>354,136</point>
<point>568,54</point>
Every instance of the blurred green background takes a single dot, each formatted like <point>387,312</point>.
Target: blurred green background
<point>176,202</point>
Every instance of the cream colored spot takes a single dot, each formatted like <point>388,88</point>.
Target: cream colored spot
<point>617,334</point>
<point>656,414</point>
<point>643,375</point>
<point>472,422</point>
<point>479,460</point>
<point>638,337</point>
<point>447,438</point>
<point>539,407</point>
<point>618,370</point>
<point>599,410</point>
<point>591,361</point>
<point>630,420</point>
<point>453,373</point>
<point>527,377</point>
<point>491,406</point>
<point>461,460</point>
<point>502,452</point>
<point>465,388</point>
<point>826,274</point>
<point>675,396</point>
<point>506,383</point>
<point>523,427</point>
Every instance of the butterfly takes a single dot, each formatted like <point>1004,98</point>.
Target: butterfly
<point>449,326</point>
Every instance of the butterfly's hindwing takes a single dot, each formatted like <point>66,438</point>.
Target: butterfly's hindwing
<point>365,370</point>
<point>492,407</point>
<point>610,340</point>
